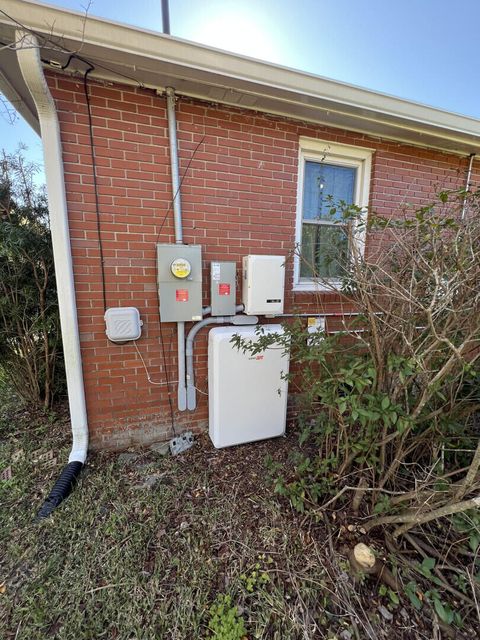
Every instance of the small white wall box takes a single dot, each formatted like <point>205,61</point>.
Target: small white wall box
<point>263,284</point>
<point>123,324</point>
<point>247,393</point>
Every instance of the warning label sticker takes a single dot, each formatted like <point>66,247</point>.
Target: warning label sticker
<point>181,295</point>
<point>224,289</point>
<point>215,271</point>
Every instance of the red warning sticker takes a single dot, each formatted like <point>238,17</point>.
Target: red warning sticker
<point>181,295</point>
<point>224,289</point>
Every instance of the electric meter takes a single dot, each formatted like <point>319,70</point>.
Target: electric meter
<point>181,268</point>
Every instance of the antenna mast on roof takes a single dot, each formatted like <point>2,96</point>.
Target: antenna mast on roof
<point>165,17</point>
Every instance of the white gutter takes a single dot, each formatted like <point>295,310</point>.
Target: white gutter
<point>32,72</point>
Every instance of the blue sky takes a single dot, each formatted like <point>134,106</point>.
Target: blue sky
<point>422,50</point>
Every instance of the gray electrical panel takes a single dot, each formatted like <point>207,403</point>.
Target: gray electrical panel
<point>179,279</point>
<point>223,288</point>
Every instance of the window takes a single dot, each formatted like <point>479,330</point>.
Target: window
<point>328,173</point>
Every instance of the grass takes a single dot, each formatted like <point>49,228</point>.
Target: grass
<point>120,561</point>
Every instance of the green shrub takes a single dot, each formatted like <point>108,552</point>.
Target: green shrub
<point>30,343</point>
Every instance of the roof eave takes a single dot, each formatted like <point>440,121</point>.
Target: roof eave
<point>156,60</point>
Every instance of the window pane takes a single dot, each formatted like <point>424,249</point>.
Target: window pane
<point>324,251</point>
<point>323,180</point>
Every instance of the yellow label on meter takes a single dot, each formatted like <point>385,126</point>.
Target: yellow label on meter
<point>181,268</point>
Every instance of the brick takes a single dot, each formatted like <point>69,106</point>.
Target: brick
<point>239,196</point>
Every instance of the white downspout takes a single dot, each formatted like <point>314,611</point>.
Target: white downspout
<point>28,56</point>
<point>467,185</point>
<point>177,220</point>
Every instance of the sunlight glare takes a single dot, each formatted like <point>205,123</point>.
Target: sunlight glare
<point>239,33</point>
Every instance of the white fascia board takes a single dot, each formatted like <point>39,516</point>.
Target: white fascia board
<point>199,71</point>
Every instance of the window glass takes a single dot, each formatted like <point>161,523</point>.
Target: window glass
<point>324,180</point>
<point>324,251</point>
<point>325,241</point>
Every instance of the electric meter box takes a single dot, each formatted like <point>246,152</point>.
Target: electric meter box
<point>223,288</point>
<point>263,285</point>
<point>179,279</point>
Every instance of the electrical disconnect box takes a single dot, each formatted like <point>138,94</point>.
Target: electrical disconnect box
<point>179,278</point>
<point>223,288</point>
<point>263,284</point>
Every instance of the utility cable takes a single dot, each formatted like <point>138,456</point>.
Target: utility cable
<point>179,187</point>
<point>55,46</point>
<point>95,182</point>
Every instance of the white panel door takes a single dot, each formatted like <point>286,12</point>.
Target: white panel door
<point>247,394</point>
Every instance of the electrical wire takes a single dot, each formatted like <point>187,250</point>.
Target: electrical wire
<point>179,187</point>
<point>95,183</point>
<point>159,384</point>
<point>55,46</point>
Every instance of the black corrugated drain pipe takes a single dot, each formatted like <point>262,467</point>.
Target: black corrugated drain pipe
<point>61,489</point>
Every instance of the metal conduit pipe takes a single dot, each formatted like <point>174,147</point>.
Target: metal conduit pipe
<point>28,57</point>
<point>237,320</point>
<point>177,221</point>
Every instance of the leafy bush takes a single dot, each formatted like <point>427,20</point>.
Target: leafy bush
<point>387,393</point>
<point>29,322</point>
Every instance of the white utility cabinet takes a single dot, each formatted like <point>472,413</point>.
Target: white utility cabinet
<point>263,287</point>
<point>247,393</point>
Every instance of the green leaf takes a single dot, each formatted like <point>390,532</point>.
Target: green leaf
<point>411,591</point>
<point>385,402</point>
<point>444,612</point>
<point>428,564</point>
<point>474,541</point>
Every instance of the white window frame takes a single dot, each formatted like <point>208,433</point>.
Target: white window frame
<point>360,158</point>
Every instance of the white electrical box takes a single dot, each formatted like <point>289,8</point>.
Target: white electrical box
<point>247,393</point>
<point>263,284</point>
<point>123,324</point>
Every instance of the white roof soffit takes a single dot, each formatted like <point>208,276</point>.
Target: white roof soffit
<point>156,60</point>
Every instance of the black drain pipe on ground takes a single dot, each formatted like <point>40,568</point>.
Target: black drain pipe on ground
<point>61,489</point>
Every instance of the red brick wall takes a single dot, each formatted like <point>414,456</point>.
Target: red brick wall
<point>238,197</point>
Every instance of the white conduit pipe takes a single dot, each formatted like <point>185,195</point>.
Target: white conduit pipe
<point>177,220</point>
<point>236,320</point>
<point>31,67</point>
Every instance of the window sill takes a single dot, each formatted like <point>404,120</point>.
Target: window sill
<point>310,286</point>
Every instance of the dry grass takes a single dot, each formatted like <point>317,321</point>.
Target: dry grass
<point>121,562</point>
